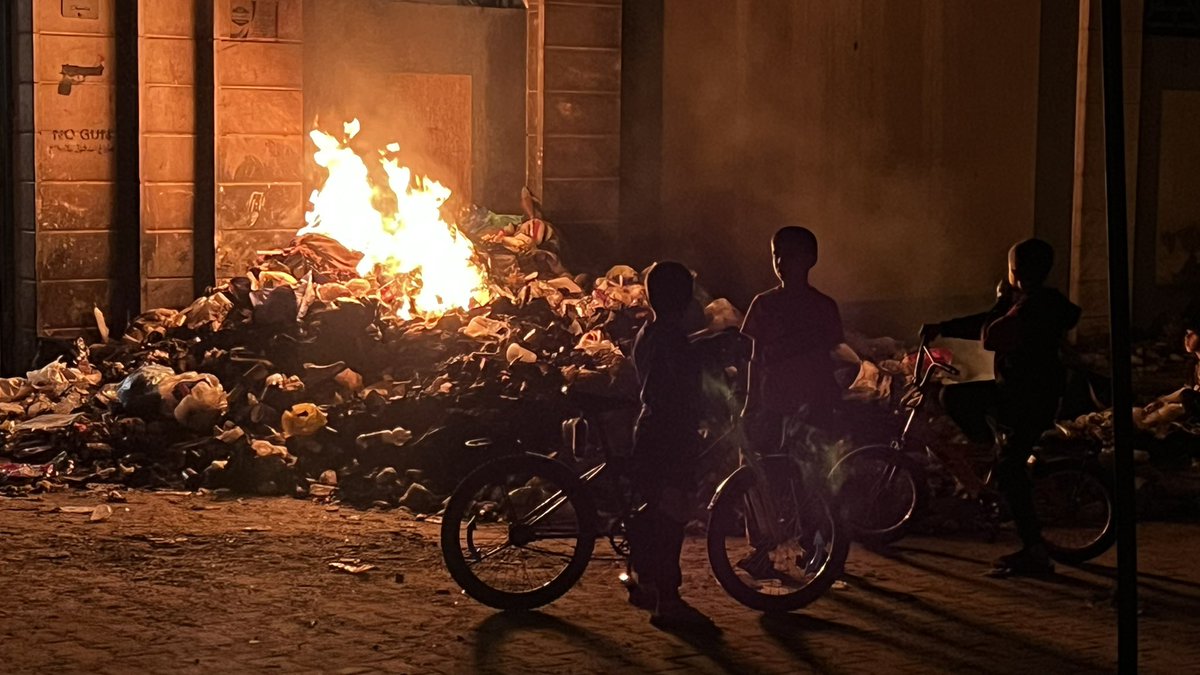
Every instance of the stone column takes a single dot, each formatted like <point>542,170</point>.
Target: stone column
<point>1089,234</point>
<point>260,142</point>
<point>578,119</point>
<point>66,167</point>
<point>167,52</point>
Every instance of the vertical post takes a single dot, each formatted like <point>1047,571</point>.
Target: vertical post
<point>204,232</point>
<point>8,224</point>
<point>127,220</point>
<point>1118,298</point>
<point>1058,65</point>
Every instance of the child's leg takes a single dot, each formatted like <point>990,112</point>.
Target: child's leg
<point>969,405</point>
<point>671,526</point>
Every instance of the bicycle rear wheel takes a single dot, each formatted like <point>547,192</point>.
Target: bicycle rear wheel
<point>1074,503</point>
<point>518,532</point>
<point>879,491</point>
<point>790,562</point>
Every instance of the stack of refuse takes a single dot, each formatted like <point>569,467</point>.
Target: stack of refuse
<point>301,377</point>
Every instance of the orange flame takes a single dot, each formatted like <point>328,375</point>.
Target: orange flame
<point>433,262</point>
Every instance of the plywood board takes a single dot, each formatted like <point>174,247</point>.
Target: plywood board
<point>429,115</point>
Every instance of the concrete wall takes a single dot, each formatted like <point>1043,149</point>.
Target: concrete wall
<point>1167,273</point>
<point>70,175</point>
<point>167,51</point>
<point>578,125</point>
<point>20,320</point>
<point>356,50</point>
<point>260,145</point>
<point>902,132</point>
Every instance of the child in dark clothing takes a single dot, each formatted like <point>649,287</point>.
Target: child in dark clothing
<point>1025,329</point>
<point>666,446</point>
<point>795,328</point>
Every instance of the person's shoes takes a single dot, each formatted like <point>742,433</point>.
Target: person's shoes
<point>1028,562</point>
<point>673,613</point>
<point>642,597</point>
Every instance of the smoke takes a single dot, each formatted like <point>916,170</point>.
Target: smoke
<point>903,138</point>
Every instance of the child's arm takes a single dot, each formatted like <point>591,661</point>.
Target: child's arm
<point>751,329</point>
<point>964,327</point>
<point>1003,334</point>
<point>753,382</point>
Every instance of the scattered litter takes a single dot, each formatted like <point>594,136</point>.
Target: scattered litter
<point>101,513</point>
<point>351,566</point>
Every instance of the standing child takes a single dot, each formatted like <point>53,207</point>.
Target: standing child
<point>1025,328</point>
<point>795,328</point>
<point>666,447</point>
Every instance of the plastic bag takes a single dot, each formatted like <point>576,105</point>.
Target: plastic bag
<point>138,393</point>
<point>50,379</point>
<point>14,389</point>
<point>303,419</point>
<point>203,407</point>
<point>172,389</point>
<point>593,343</point>
<point>721,314</point>
<point>484,327</point>
<point>208,311</point>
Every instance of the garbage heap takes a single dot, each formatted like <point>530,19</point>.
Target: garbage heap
<point>301,378</point>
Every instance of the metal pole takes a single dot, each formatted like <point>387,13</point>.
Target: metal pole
<point>1118,298</point>
<point>8,225</point>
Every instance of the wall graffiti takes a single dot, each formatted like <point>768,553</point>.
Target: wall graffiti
<point>82,140</point>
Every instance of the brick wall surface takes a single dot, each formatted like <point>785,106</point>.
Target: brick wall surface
<point>72,182</point>
<point>25,191</point>
<point>167,59</point>
<point>575,123</point>
<point>260,139</point>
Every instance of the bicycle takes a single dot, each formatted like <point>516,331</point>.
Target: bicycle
<point>518,532</point>
<point>774,540</point>
<point>883,488</point>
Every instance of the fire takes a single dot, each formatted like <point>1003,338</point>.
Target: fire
<point>427,260</point>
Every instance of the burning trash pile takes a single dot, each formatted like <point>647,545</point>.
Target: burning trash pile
<point>375,359</point>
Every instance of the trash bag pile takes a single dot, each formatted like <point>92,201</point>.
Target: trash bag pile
<point>302,378</point>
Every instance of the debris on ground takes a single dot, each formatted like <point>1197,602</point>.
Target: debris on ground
<point>351,566</point>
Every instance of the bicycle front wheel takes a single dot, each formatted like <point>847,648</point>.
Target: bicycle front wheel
<point>774,545</point>
<point>879,491</point>
<point>1074,503</point>
<point>518,532</point>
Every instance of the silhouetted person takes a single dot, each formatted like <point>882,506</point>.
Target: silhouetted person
<point>794,328</point>
<point>1025,329</point>
<point>666,447</point>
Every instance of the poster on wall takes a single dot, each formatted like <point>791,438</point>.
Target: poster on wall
<point>253,19</point>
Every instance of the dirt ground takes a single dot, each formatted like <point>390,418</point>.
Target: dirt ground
<point>186,583</point>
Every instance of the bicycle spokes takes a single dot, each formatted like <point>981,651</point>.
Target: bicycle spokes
<point>521,534</point>
<point>782,545</point>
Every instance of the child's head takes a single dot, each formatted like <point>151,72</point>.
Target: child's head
<point>1029,263</point>
<point>795,252</point>
<point>670,288</point>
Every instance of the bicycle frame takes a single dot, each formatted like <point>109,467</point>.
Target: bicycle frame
<point>920,381</point>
